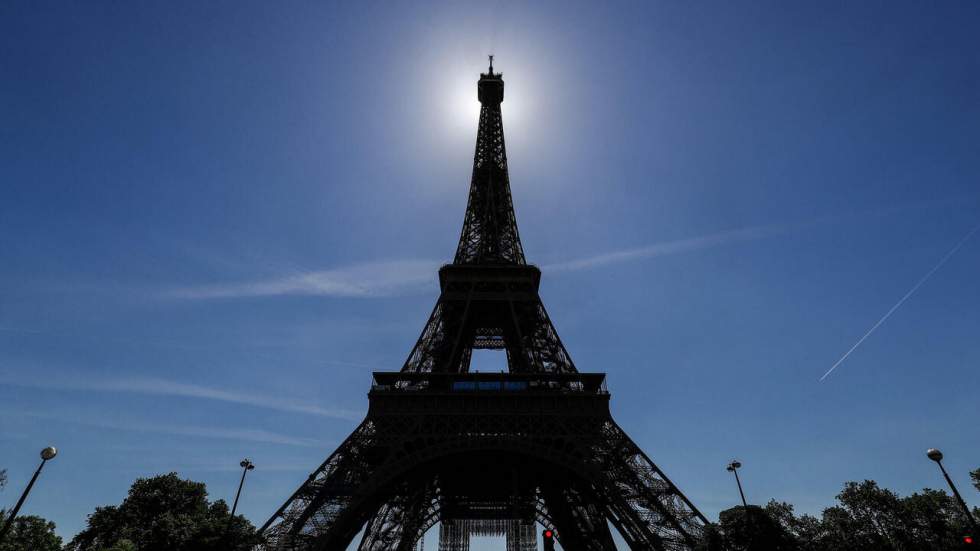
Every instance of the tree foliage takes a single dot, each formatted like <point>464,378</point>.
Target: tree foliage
<point>165,513</point>
<point>752,528</point>
<point>29,533</point>
<point>975,477</point>
<point>866,517</point>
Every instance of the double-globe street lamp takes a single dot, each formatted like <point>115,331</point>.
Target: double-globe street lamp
<point>246,466</point>
<point>937,456</point>
<point>733,467</point>
<point>47,454</point>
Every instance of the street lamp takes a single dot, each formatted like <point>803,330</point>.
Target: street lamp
<point>937,456</point>
<point>246,466</point>
<point>47,454</point>
<point>733,467</point>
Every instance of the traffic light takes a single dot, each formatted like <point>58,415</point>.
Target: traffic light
<point>968,540</point>
<point>549,540</point>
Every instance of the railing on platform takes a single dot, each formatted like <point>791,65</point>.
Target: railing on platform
<point>504,382</point>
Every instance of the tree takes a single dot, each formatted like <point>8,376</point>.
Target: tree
<point>30,533</point>
<point>975,477</point>
<point>933,520</point>
<point>871,514</point>
<point>165,513</point>
<point>873,518</point>
<point>3,477</point>
<point>123,545</point>
<point>867,518</point>
<point>804,532</point>
<point>752,528</point>
<point>809,533</point>
<point>711,539</point>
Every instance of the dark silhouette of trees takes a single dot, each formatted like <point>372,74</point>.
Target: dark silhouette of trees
<point>866,518</point>
<point>800,531</point>
<point>29,533</point>
<point>165,513</point>
<point>753,528</point>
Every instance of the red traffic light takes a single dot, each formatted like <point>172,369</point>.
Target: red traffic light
<point>968,540</point>
<point>548,538</point>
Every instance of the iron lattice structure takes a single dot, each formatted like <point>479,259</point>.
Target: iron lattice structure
<point>487,453</point>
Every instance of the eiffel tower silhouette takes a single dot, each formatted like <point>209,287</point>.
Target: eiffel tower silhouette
<point>487,453</point>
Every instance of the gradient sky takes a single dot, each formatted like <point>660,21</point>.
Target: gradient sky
<point>217,218</point>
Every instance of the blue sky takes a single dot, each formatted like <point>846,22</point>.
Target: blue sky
<point>216,219</point>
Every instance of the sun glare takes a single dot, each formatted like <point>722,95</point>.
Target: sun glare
<point>461,108</point>
<point>463,105</point>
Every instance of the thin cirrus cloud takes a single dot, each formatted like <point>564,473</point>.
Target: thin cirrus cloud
<point>665,248</point>
<point>402,277</point>
<point>162,387</point>
<point>377,279</point>
<point>738,235</point>
<point>405,277</point>
<point>248,435</point>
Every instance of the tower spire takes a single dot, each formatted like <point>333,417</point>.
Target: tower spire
<point>489,233</point>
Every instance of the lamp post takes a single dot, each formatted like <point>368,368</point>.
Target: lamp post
<point>47,454</point>
<point>937,456</point>
<point>246,466</point>
<point>733,467</point>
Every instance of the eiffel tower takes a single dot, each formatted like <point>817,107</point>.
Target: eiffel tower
<point>487,454</point>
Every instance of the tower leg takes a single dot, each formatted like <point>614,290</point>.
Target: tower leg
<point>647,509</point>
<point>331,507</point>
<point>581,525</point>
<point>398,523</point>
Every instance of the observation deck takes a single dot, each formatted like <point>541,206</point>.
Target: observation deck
<point>490,88</point>
<point>483,392</point>
<point>489,282</point>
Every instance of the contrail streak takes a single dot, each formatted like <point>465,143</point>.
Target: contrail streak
<point>902,300</point>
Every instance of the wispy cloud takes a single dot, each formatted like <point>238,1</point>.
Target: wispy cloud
<point>402,277</point>
<point>378,279</point>
<point>736,235</point>
<point>162,387</point>
<point>901,301</point>
<point>248,435</point>
<point>665,248</point>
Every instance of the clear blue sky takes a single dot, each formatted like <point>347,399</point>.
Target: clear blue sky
<point>216,219</point>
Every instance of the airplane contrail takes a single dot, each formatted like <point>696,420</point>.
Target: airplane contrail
<point>902,300</point>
